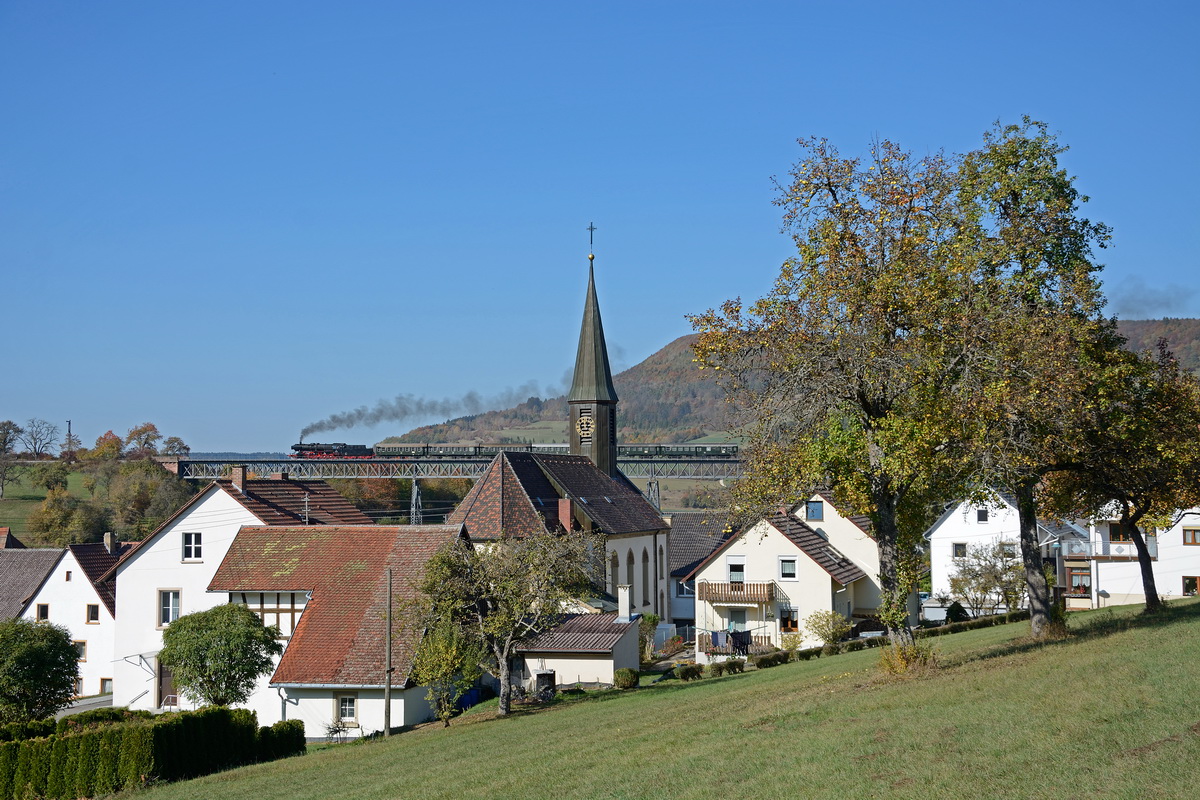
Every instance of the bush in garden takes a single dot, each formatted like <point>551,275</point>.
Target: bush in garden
<point>735,665</point>
<point>716,669</point>
<point>689,672</point>
<point>625,678</point>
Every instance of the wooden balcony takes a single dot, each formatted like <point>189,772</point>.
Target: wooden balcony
<point>750,593</point>
<point>760,644</point>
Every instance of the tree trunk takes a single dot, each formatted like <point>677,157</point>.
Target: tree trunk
<point>1031,555</point>
<point>894,598</point>
<point>1153,601</point>
<point>505,682</point>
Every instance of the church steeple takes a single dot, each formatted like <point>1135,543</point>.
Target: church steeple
<point>593,399</point>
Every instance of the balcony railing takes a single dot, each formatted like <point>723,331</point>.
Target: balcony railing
<point>736,592</point>
<point>1073,548</point>
<point>759,644</point>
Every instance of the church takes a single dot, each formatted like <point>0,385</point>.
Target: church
<point>523,492</point>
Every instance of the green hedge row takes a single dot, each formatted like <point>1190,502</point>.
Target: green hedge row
<point>970,625</point>
<point>106,759</point>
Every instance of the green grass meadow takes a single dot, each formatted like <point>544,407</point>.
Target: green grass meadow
<point>21,499</point>
<point>1112,711</point>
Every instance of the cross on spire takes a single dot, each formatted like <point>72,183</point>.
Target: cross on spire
<point>591,229</point>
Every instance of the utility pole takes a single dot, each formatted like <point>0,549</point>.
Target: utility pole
<point>387,673</point>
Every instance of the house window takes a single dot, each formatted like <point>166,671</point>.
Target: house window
<point>93,613</point>
<point>788,623</point>
<point>347,709</point>
<point>981,515</point>
<point>1118,534</point>
<point>1191,535</point>
<point>787,569</point>
<point>106,686</point>
<point>80,651</point>
<point>43,612</point>
<point>685,588</point>
<point>1008,549</point>
<point>68,576</point>
<point>737,619</point>
<point>78,689</point>
<point>191,547</point>
<point>814,510</point>
<point>737,571</point>
<point>958,550</point>
<point>1079,581</point>
<point>1189,585</point>
<point>168,606</point>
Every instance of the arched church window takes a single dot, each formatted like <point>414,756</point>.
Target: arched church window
<point>646,594</point>
<point>629,562</point>
<point>615,569</point>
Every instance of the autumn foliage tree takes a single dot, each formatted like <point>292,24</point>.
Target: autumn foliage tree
<point>846,373</point>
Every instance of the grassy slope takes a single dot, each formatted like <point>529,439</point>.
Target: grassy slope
<point>1112,712</point>
<point>20,500</point>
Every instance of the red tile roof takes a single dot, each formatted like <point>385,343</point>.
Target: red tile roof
<point>339,640</point>
<point>274,501</point>
<point>95,561</point>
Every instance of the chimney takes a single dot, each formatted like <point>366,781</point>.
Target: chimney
<point>110,542</point>
<point>624,606</point>
<point>565,517</point>
<point>238,476</point>
<point>279,476</point>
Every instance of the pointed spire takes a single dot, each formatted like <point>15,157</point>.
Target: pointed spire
<point>593,378</point>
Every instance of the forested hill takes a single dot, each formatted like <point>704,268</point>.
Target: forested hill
<point>663,399</point>
<point>667,399</point>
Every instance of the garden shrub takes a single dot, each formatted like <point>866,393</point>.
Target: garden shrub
<point>16,731</point>
<point>812,652</point>
<point>901,659</point>
<point>288,739</point>
<point>854,645</point>
<point>716,669</point>
<point>625,678</point>
<point>688,672</point>
<point>956,613</point>
<point>735,665</point>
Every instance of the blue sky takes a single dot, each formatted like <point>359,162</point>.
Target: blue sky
<point>234,219</point>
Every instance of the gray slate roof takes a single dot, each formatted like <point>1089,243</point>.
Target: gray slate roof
<point>580,633</point>
<point>694,535</point>
<point>22,572</point>
<point>593,378</point>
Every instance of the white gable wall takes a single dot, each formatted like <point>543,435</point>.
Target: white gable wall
<point>68,602</point>
<point>159,565</point>
<point>962,526</point>
<point>762,548</point>
<point>855,544</point>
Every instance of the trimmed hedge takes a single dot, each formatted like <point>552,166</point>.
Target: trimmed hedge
<point>625,678</point>
<point>771,660</point>
<point>735,665</point>
<point>689,672</point>
<point>114,750</point>
<point>973,624</point>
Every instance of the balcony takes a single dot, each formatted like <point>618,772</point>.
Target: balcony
<point>736,592</point>
<point>760,644</point>
<point>1104,549</point>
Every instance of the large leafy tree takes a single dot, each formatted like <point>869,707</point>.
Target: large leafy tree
<point>508,592</point>
<point>1042,330</point>
<point>217,656</point>
<point>38,668</point>
<point>10,469</point>
<point>847,372</point>
<point>1141,454</point>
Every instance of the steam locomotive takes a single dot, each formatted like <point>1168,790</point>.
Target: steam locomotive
<point>398,450</point>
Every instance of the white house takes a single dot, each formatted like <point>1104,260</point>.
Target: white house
<point>326,589</point>
<point>1103,569</point>
<point>69,597</point>
<point>584,648</point>
<point>694,535</point>
<point>969,524</point>
<point>763,582</point>
<point>167,574</point>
